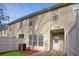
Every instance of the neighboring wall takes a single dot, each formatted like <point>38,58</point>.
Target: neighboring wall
<point>73,41</point>
<point>73,36</point>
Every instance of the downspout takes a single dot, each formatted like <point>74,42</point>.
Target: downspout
<point>50,29</point>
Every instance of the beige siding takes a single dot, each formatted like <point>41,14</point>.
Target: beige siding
<point>42,25</point>
<point>73,38</point>
<point>66,19</point>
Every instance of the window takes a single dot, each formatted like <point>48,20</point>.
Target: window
<point>75,8</point>
<point>40,40</point>
<point>0,32</point>
<point>76,14</point>
<point>55,15</point>
<point>30,40</point>
<point>5,32</point>
<point>35,40</point>
<point>21,35</point>
<point>30,22</point>
<point>76,11</point>
<point>20,26</point>
<point>56,39</point>
<point>10,28</point>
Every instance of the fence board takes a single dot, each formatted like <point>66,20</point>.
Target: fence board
<point>9,43</point>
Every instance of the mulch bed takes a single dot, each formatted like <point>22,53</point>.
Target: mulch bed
<point>29,51</point>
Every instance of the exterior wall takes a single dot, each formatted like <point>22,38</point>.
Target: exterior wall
<point>66,20</point>
<point>42,26</point>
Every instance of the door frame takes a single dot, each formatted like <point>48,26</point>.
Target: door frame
<point>56,31</point>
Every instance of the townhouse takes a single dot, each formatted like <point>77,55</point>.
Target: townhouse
<point>46,29</point>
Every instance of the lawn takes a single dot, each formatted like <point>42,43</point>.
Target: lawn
<point>14,54</point>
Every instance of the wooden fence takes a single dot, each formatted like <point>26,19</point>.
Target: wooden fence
<point>9,43</point>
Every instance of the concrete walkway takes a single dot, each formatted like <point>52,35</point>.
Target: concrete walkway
<point>51,53</point>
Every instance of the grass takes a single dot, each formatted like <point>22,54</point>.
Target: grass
<point>14,54</point>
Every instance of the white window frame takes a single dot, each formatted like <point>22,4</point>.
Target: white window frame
<point>30,21</point>
<point>40,36</point>
<point>31,40</point>
<point>55,13</point>
<point>20,25</point>
<point>35,38</point>
<point>10,28</point>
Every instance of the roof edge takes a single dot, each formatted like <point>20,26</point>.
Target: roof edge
<point>40,12</point>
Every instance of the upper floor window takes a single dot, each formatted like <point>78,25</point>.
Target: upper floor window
<point>20,26</point>
<point>76,10</point>
<point>10,28</point>
<point>30,22</point>
<point>55,15</point>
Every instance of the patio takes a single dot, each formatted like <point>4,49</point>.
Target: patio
<point>48,53</point>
